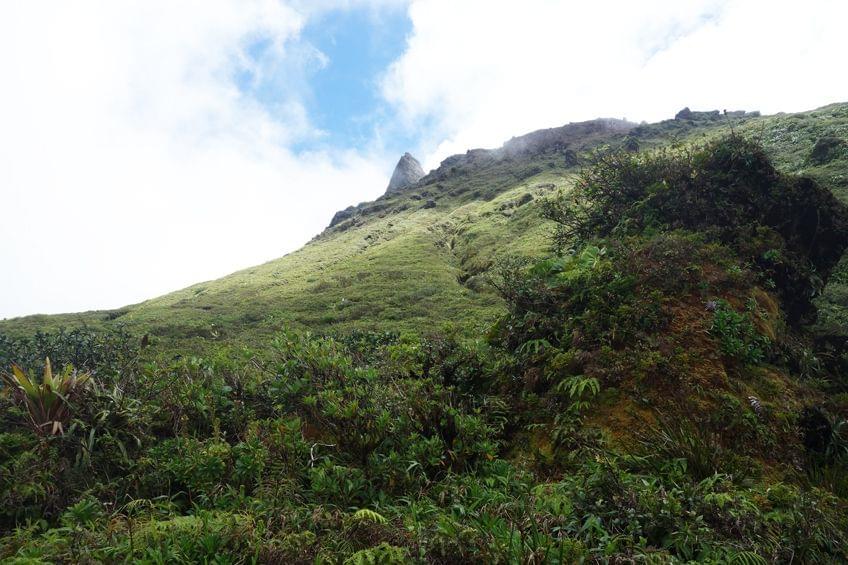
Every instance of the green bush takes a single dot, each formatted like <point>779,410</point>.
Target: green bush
<point>186,465</point>
<point>737,335</point>
<point>105,354</point>
<point>345,487</point>
<point>728,190</point>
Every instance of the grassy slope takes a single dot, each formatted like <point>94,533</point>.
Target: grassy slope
<point>405,266</point>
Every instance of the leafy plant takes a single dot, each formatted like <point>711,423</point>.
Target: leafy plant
<point>737,335</point>
<point>696,446</point>
<point>47,403</point>
<point>368,515</point>
<point>383,554</point>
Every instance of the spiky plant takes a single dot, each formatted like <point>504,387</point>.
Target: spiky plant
<point>47,403</point>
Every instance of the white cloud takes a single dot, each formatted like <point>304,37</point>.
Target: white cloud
<point>130,162</point>
<point>478,72</point>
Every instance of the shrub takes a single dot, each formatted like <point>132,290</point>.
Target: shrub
<point>186,465</point>
<point>345,487</point>
<point>101,353</point>
<point>727,189</point>
<point>738,338</point>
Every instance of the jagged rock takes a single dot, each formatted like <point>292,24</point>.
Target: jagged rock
<point>559,139</point>
<point>429,204</point>
<point>742,114</point>
<point>571,159</point>
<point>684,114</point>
<point>687,114</point>
<point>407,172</point>
<point>342,215</point>
<point>553,140</point>
<point>826,149</point>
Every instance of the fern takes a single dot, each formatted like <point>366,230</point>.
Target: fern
<point>579,390</point>
<point>366,515</point>
<point>534,346</point>
<point>577,386</point>
<point>383,554</point>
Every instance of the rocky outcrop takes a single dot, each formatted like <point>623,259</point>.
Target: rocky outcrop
<point>827,149</point>
<point>342,215</point>
<point>684,114</point>
<point>407,172</point>
<point>562,140</point>
<point>712,115</point>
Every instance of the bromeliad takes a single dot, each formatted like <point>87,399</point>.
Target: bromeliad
<point>47,403</point>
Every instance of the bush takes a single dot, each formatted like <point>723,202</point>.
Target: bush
<point>106,353</point>
<point>727,189</point>
<point>737,335</point>
<point>186,466</point>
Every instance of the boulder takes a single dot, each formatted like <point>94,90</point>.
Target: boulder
<point>827,149</point>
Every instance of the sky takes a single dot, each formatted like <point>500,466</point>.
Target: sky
<point>146,145</point>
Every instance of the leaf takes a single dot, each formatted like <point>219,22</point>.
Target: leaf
<point>48,372</point>
<point>366,515</point>
<point>23,382</point>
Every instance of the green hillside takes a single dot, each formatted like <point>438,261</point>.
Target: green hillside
<point>421,257</point>
<point>600,343</point>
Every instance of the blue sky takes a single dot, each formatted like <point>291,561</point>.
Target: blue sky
<point>154,148</point>
<point>335,65</point>
<point>345,98</point>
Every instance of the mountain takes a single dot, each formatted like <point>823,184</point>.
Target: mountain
<point>418,256</point>
<point>601,342</point>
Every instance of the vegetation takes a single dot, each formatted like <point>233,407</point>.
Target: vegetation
<point>667,385</point>
<point>47,403</point>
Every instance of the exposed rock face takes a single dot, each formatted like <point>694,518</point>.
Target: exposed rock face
<point>687,114</point>
<point>684,114</point>
<point>342,215</point>
<point>408,171</point>
<point>826,149</point>
<point>561,140</point>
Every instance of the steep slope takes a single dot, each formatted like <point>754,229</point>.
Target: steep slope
<point>419,256</point>
<point>657,394</point>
